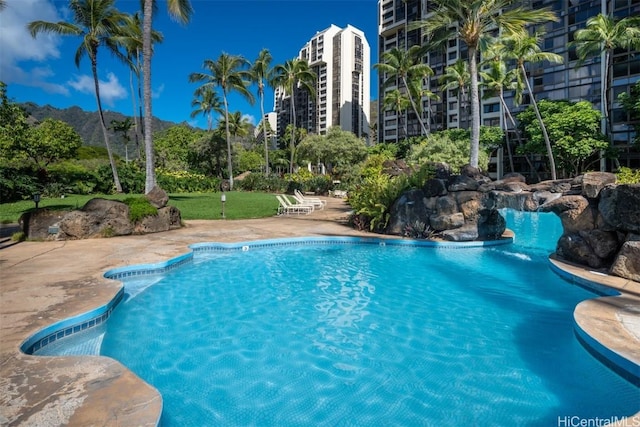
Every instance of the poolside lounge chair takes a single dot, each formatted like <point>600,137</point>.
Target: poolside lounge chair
<point>301,198</point>
<point>297,202</point>
<point>287,208</point>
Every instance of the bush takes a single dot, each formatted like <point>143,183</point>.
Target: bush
<point>17,184</point>
<point>187,182</point>
<point>628,176</point>
<point>372,200</point>
<point>262,182</point>
<point>139,207</point>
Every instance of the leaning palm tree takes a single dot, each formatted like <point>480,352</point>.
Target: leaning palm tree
<point>291,76</point>
<point>398,102</point>
<point>525,48</point>
<point>180,10</point>
<point>260,74</point>
<point>131,41</point>
<point>406,67</point>
<point>229,74</point>
<point>206,102</point>
<point>472,21</point>
<point>97,22</point>
<point>457,77</point>
<point>602,35</point>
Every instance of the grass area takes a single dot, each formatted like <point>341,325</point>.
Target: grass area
<point>239,205</point>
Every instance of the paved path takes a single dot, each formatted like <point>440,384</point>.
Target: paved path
<point>44,282</point>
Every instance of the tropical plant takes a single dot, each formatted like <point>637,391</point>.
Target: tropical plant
<point>123,127</point>
<point>180,10</point>
<point>628,176</point>
<point>338,149</point>
<point>206,102</point>
<point>261,74</point>
<point>398,102</point>
<point>97,22</point>
<point>630,102</point>
<point>525,48</point>
<point>472,21</point>
<point>131,41</point>
<point>237,124</point>
<point>457,77</point>
<point>408,68</point>
<point>603,35</point>
<point>291,76</point>
<point>229,74</point>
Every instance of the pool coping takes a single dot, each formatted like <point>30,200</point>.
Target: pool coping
<point>123,393</point>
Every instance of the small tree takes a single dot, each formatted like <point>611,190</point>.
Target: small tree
<point>574,129</point>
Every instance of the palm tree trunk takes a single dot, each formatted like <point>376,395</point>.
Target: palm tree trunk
<point>135,118</point>
<point>519,138</point>
<point>475,108</point>
<point>504,117</point>
<point>264,133</point>
<point>292,143</point>
<point>415,108</point>
<point>114,170</point>
<point>226,123</point>
<point>150,180</point>
<point>547,142</point>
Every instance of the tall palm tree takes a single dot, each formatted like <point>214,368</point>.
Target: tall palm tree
<point>260,74</point>
<point>525,48</point>
<point>601,36</point>
<point>496,80</point>
<point>406,67</point>
<point>229,74</point>
<point>238,125</point>
<point>97,22</point>
<point>206,102</point>
<point>181,11</point>
<point>291,76</point>
<point>457,77</point>
<point>472,21</point>
<point>131,41</point>
<point>398,102</point>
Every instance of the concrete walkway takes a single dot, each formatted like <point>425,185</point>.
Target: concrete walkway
<point>44,282</point>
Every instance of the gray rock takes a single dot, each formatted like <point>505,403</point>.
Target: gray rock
<point>446,222</point>
<point>461,183</point>
<point>408,209</point>
<point>491,225</point>
<point>620,206</point>
<point>157,197</point>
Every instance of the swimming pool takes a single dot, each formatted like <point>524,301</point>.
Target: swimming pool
<point>360,334</point>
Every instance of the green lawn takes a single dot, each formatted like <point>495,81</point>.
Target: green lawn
<point>239,205</point>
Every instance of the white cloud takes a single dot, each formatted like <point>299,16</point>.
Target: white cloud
<point>110,90</point>
<point>155,94</point>
<point>250,118</point>
<point>17,45</point>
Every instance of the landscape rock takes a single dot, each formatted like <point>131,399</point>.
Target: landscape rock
<point>627,263</point>
<point>157,197</point>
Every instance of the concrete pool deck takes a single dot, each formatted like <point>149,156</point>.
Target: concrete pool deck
<point>44,282</point>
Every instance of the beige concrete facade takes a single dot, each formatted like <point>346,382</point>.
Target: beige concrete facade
<point>42,283</point>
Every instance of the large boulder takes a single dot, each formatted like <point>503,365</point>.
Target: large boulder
<point>594,182</point>
<point>620,206</point>
<point>410,208</point>
<point>627,263</point>
<point>40,224</point>
<point>98,218</point>
<point>168,218</point>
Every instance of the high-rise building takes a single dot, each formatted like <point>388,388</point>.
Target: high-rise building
<point>549,81</point>
<point>340,58</point>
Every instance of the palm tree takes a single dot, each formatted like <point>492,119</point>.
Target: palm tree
<point>123,127</point>
<point>496,80</point>
<point>180,10</point>
<point>603,35</point>
<point>524,48</point>
<point>398,102</point>
<point>472,21</point>
<point>291,76</point>
<point>238,125</point>
<point>228,74</point>
<point>261,73</point>
<point>407,67</point>
<point>206,102</point>
<point>97,22</point>
<point>131,41</point>
<point>457,77</point>
<point>3,4</point>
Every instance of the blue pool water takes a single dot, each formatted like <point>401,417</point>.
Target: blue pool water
<point>367,335</point>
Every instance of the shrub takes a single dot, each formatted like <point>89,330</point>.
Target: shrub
<point>139,207</point>
<point>628,176</point>
<point>186,182</point>
<point>262,182</point>
<point>372,200</point>
<point>17,183</point>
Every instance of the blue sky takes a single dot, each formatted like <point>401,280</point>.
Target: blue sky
<point>43,70</point>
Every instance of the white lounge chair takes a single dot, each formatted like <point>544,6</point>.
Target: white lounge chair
<point>315,201</point>
<point>287,208</point>
<point>297,202</point>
